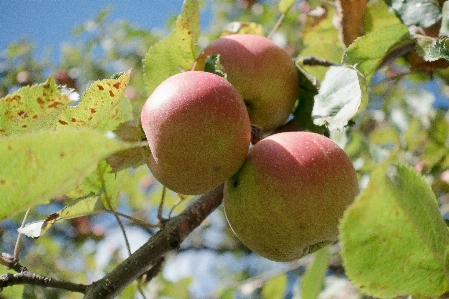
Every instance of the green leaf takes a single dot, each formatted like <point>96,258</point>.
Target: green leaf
<point>303,112</point>
<point>32,108</point>
<point>39,166</point>
<point>102,106</point>
<point>285,5</point>
<point>423,13</point>
<point>275,287</point>
<point>368,51</point>
<point>213,66</point>
<point>176,52</point>
<point>378,16</point>
<point>313,280</point>
<point>339,98</point>
<point>431,49</point>
<point>394,240</point>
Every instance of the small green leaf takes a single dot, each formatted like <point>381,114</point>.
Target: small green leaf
<point>339,98</point>
<point>102,106</point>
<point>176,53</point>
<point>394,240</point>
<point>32,108</point>
<point>275,287</point>
<point>313,280</point>
<point>39,166</point>
<point>285,5</point>
<point>423,13</point>
<point>431,49</point>
<point>213,66</point>
<point>368,51</point>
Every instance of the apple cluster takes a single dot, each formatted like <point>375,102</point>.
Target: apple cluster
<point>283,196</point>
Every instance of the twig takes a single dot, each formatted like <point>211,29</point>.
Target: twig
<point>161,205</point>
<point>276,26</point>
<point>138,221</point>
<point>315,61</point>
<point>169,238</point>
<point>27,277</point>
<point>19,237</point>
<point>9,262</point>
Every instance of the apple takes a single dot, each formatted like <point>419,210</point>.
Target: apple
<point>198,131</point>
<point>263,73</point>
<point>287,198</point>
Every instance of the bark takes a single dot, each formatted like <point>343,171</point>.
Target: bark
<point>167,239</point>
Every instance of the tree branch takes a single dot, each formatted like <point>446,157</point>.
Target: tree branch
<point>27,277</point>
<point>167,239</point>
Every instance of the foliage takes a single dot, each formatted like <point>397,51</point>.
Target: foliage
<point>71,153</point>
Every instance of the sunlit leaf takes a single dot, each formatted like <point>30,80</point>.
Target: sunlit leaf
<point>32,108</point>
<point>175,53</point>
<point>395,230</point>
<point>313,280</point>
<point>422,13</point>
<point>378,16</point>
<point>102,106</point>
<point>367,52</point>
<point>39,166</point>
<point>339,98</point>
<point>36,229</point>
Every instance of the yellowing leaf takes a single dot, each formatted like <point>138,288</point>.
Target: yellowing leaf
<point>394,240</point>
<point>32,108</point>
<point>38,166</point>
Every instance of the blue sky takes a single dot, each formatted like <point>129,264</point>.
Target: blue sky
<point>49,22</point>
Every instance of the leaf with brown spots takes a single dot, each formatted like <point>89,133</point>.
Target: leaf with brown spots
<point>32,108</point>
<point>38,166</point>
<point>102,106</point>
